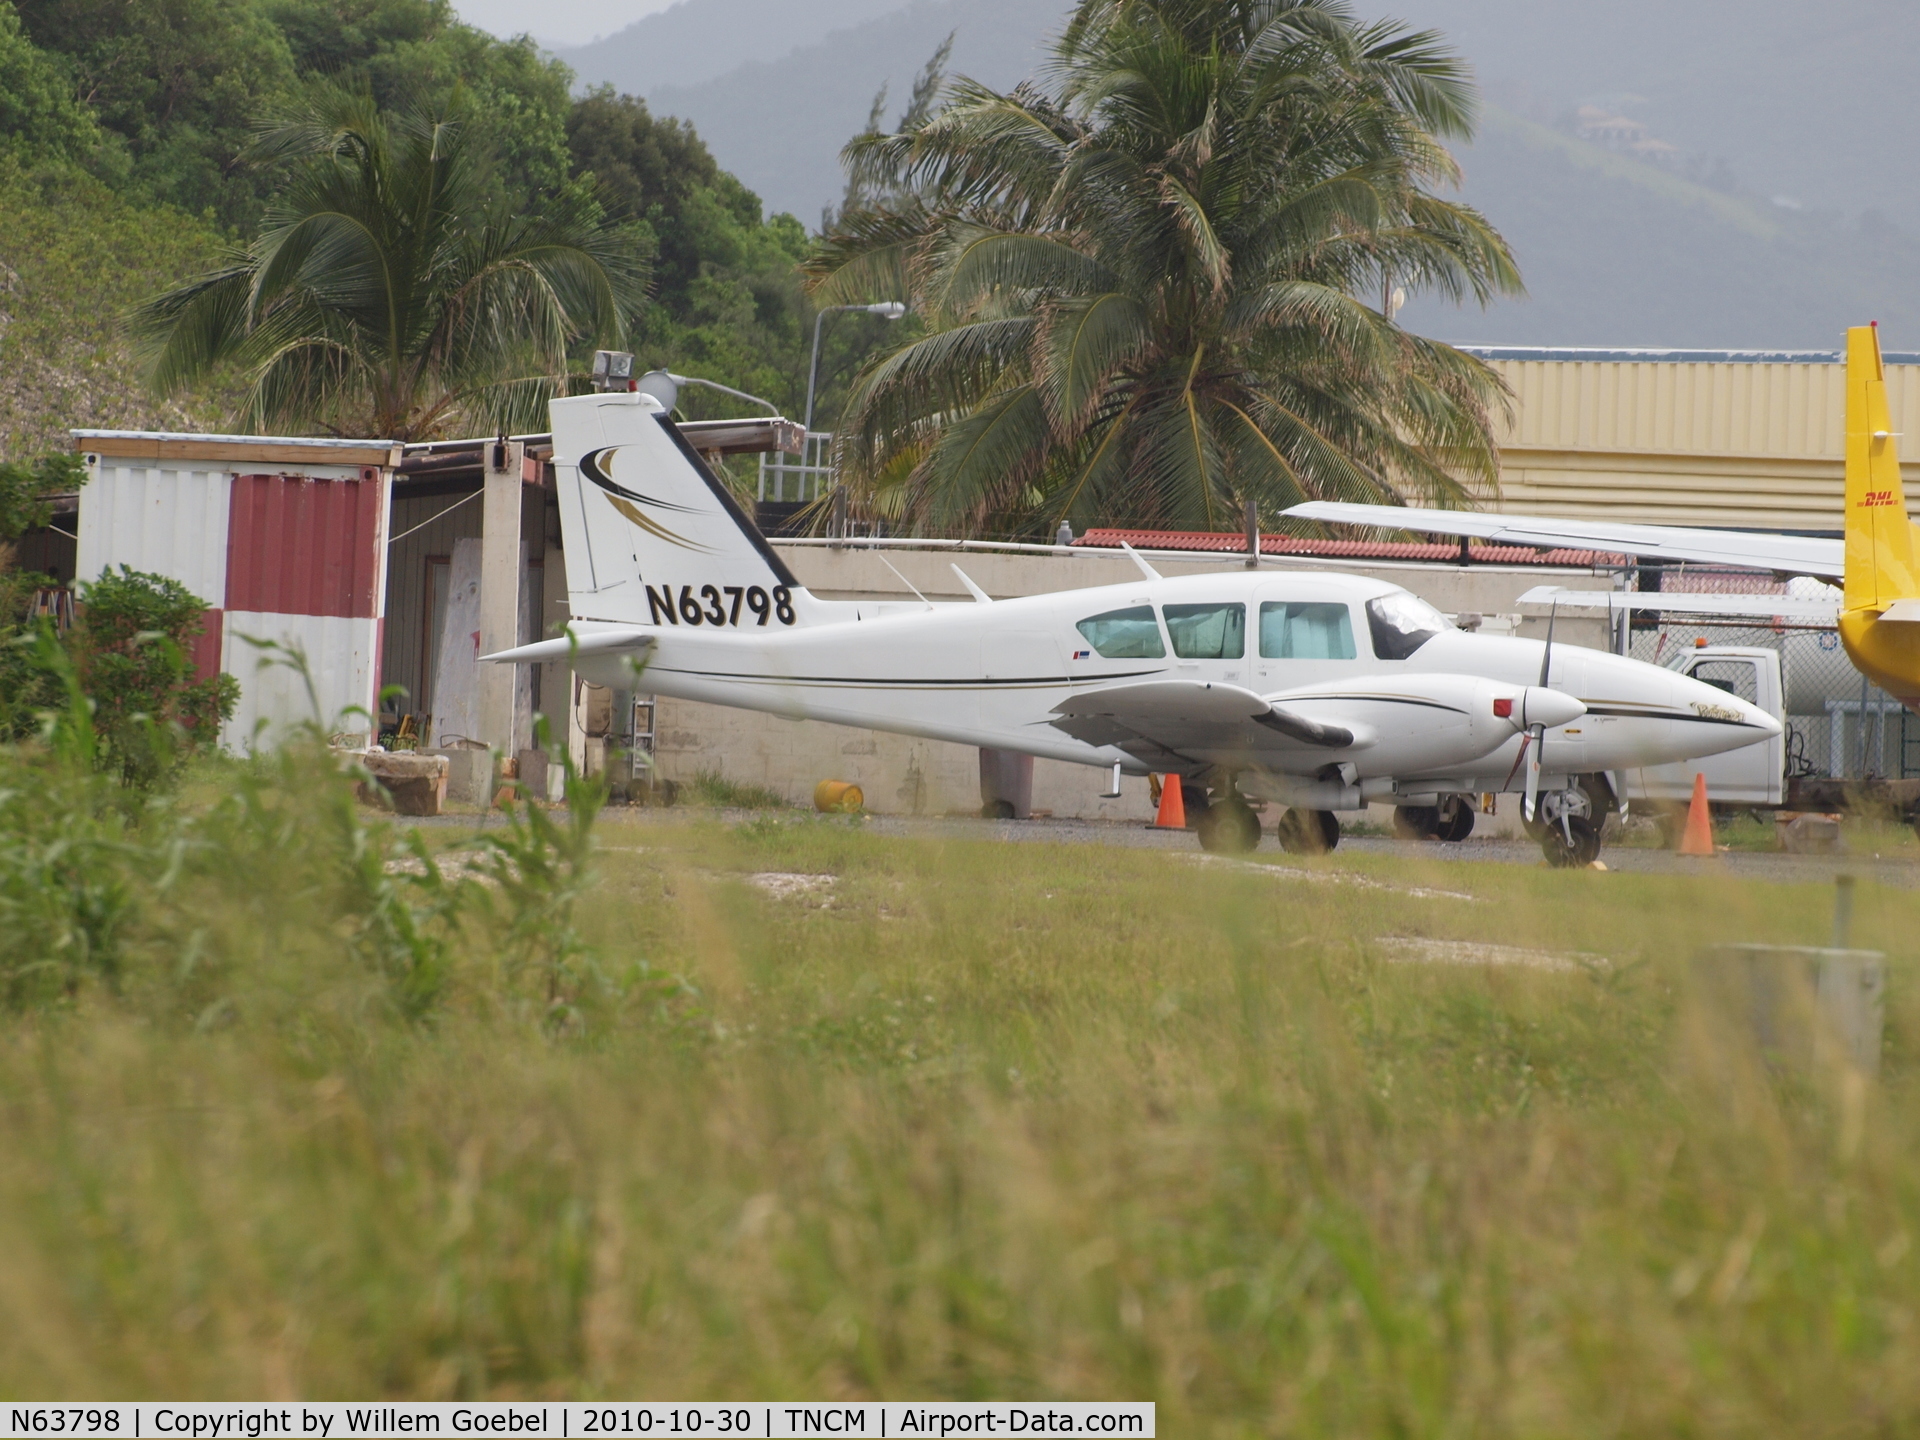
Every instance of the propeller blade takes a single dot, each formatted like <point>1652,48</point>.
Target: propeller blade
<point>1536,741</point>
<point>1546,655</point>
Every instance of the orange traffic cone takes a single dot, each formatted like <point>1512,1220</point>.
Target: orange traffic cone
<point>1173,806</point>
<point>1699,837</point>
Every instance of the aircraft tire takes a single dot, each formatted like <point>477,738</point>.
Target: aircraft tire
<point>1584,850</point>
<point>1228,829</point>
<point>997,810</point>
<point>1455,814</point>
<point>1416,822</point>
<point>1307,832</point>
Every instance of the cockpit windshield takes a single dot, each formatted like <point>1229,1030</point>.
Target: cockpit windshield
<point>1401,623</point>
<point>1130,634</point>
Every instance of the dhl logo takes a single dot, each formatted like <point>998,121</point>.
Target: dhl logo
<point>1876,497</point>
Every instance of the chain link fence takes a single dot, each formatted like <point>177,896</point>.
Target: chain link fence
<point>1839,724</point>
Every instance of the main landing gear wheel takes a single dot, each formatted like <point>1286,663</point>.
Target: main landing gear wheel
<point>1416,822</point>
<point>1455,815</point>
<point>1451,820</point>
<point>1307,832</point>
<point>1228,829</point>
<point>1570,843</point>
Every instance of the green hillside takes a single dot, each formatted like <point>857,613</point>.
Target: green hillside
<point>124,170</point>
<point>73,257</point>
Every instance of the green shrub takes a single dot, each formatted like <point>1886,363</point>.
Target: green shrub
<point>135,666</point>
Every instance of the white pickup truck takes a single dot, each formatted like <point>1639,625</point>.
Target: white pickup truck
<point>1755,777</point>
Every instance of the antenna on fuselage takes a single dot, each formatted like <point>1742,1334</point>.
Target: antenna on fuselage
<point>972,589</point>
<point>1145,569</point>
<point>904,580</point>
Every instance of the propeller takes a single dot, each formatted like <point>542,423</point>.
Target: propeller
<point>1536,740</point>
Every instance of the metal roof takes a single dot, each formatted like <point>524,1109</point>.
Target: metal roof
<point>1681,357</point>
<point>305,441</point>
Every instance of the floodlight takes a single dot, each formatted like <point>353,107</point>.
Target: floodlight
<point>661,386</point>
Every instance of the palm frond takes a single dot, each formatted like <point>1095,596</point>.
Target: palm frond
<point>1169,251</point>
<point>1082,345</point>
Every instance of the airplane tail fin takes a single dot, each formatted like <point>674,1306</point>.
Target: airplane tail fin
<point>1880,538</point>
<point>652,535</point>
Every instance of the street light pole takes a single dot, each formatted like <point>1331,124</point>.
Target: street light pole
<point>885,309</point>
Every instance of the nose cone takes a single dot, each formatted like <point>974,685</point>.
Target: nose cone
<point>1726,722</point>
<point>1542,706</point>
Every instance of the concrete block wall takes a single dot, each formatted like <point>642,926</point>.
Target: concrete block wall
<point>900,775</point>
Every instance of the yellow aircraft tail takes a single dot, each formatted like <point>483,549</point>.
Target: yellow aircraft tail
<point>1881,544</point>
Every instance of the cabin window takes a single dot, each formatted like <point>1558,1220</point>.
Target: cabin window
<point>1401,623</point>
<point>1290,630</point>
<point>1130,634</point>
<point>1208,632</point>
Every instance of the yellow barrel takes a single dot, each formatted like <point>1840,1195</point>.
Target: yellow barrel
<point>837,797</point>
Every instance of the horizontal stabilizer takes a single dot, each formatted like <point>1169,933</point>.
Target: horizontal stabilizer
<point>600,642</point>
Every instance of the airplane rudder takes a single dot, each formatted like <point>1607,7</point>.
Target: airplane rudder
<point>1880,540</point>
<point>661,521</point>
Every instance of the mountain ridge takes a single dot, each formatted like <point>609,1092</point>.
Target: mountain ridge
<point>1763,218</point>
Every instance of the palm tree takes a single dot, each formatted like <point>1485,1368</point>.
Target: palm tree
<point>383,296</point>
<point>1154,284</point>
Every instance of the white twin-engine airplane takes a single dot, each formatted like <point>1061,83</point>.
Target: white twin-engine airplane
<point>1320,692</point>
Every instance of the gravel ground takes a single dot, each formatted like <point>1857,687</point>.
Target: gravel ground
<point>1750,865</point>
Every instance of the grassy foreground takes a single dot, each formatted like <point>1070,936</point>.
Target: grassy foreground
<point>964,1120</point>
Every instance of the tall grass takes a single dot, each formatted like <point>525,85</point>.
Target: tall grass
<point>967,1121</point>
<point>714,790</point>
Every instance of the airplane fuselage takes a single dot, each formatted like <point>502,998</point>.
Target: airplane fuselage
<point>992,675</point>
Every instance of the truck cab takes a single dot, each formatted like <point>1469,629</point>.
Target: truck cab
<point>1753,775</point>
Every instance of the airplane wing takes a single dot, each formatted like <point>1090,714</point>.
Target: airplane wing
<point>1161,720</point>
<point>1783,554</point>
<point>1782,607</point>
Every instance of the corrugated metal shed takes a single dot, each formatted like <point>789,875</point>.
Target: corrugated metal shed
<point>1714,438</point>
<point>284,539</point>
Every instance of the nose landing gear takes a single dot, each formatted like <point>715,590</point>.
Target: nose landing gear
<point>1567,828</point>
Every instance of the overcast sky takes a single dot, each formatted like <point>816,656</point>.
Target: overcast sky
<point>566,22</point>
